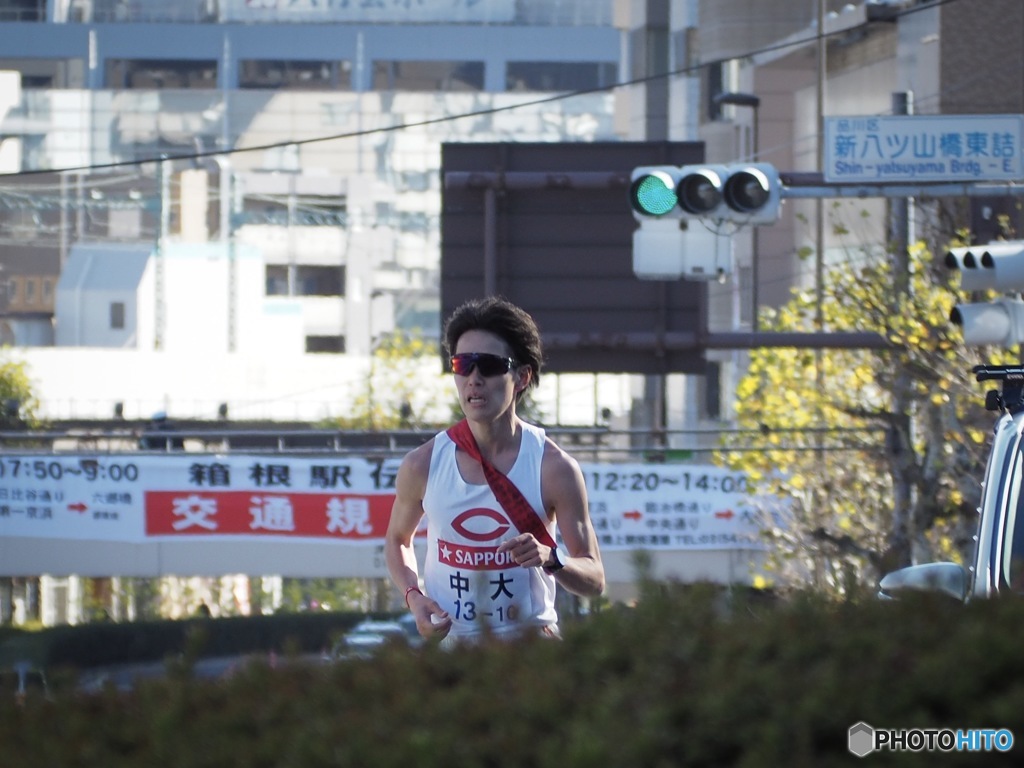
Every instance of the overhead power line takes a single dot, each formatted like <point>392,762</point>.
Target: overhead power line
<point>813,38</point>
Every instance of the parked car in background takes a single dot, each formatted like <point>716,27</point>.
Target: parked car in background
<point>998,562</point>
<point>368,637</point>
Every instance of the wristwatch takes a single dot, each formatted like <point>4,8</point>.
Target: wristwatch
<point>556,562</point>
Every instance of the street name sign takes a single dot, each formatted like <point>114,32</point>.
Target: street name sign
<point>923,148</point>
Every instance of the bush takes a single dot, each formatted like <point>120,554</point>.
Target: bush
<point>685,678</point>
<point>104,643</point>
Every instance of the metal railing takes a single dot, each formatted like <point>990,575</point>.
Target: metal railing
<point>585,443</point>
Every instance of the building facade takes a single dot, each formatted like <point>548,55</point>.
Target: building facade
<point>308,132</point>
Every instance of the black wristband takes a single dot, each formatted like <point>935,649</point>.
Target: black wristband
<point>556,563</point>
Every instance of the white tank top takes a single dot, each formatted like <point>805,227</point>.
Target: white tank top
<point>481,589</point>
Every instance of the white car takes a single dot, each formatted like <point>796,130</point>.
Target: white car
<point>367,637</point>
<point>999,545</point>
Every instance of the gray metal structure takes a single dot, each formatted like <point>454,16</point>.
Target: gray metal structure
<point>560,246</point>
<point>549,227</point>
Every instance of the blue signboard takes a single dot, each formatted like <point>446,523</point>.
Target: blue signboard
<point>923,148</point>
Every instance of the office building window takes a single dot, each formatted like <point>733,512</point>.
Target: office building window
<point>325,344</point>
<point>558,75</point>
<point>295,75</point>
<point>46,73</point>
<point>117,315</point>
<point>304,211</point>
<point>428,75</point>
<point>309,280</point>
<point>160,73</point>
<point>23,10</point>
<point>30,290</point>
<point>277,280</point>
<point>321,281</point>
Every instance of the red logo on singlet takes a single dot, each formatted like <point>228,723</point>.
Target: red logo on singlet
<point>476,524</point>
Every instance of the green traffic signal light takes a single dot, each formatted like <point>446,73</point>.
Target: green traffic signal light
<point>653,194</point>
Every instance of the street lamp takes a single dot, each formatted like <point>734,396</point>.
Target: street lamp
<point>753,102</point>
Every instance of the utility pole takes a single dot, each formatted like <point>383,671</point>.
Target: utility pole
<point>900,428</point>
<point>164,177</point>
<point>818,503</point>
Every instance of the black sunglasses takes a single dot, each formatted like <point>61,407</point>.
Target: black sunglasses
<point>488,365</point>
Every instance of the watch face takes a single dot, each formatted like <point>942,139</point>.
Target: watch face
<point>558,564</point>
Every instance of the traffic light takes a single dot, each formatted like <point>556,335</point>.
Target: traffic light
<point>997,266</point>
<point>672,204</point>
<point>744,193</point>
<point>996,322</point>
<point>652,192</point>
<point>665,247</point>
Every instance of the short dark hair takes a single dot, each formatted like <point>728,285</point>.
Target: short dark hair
<point>507,321</point>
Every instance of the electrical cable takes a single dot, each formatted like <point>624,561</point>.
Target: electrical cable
<point>461,116</point>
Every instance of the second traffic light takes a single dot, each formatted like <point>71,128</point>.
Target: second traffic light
<point>996,266</point>
<point>998,323</point>
<point>745,193</point>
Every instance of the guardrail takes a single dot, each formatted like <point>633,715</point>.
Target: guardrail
<point>586,443</point>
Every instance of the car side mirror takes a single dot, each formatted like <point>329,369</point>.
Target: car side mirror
<point>945,578</point>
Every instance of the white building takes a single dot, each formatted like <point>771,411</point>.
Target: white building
<point>318,232</point>
<point>107,296</point>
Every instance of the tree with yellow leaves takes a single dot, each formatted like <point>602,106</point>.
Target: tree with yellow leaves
<point>16,396</point>
<point>405,386</point>
<point>875,455</point>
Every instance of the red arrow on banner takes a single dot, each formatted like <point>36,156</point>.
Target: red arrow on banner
<point>78,507</point>
<point>727,514</point>
<point>632,515</point>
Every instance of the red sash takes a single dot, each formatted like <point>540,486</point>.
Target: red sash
<point>511,498</point>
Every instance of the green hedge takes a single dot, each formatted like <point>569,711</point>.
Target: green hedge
<point>686,678</point>
<point>104,643</point>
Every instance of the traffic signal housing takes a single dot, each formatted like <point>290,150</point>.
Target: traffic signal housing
<point>744,193</point>
<point>665,246</point>
<point>997,266</point>
<point>669,250</point>
<point>680,210</point>
<point>999,323</point>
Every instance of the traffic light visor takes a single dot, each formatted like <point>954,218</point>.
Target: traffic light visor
<point>747,190</point>
<point>996,322</point>
<point>996,266</point>
<point>700,192</point>
<point>653,194</point>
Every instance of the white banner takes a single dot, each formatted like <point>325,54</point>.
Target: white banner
<point>198,500</point>
<point>670,506</point>
<point>140,497</point>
